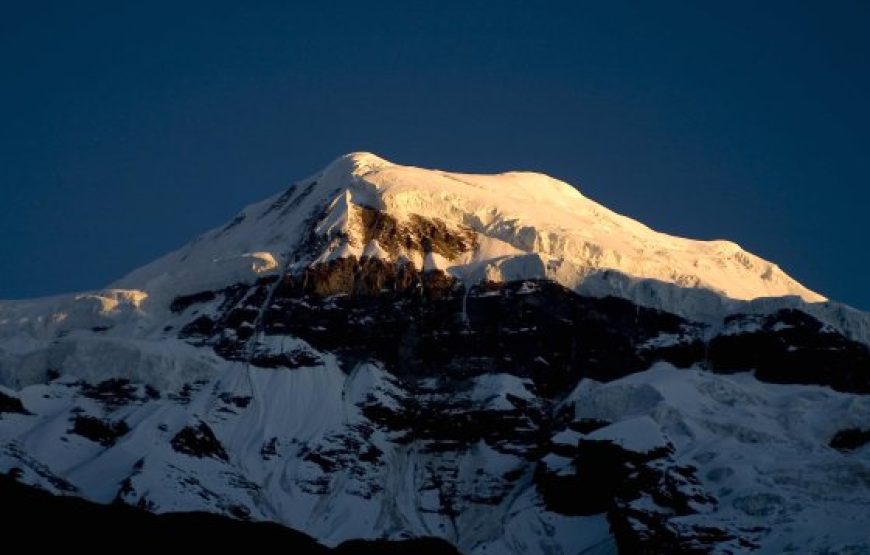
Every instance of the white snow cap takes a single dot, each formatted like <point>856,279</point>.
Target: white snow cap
<point>355,163</point>
<point>528,225</point>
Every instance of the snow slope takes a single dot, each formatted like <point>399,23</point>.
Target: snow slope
<point>760,448</point>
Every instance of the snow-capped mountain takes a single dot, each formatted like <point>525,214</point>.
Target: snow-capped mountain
<point>384,351</point>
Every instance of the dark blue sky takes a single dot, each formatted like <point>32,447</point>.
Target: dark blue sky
<point>128,130</point>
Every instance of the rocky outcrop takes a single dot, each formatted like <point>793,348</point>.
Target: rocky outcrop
<point>104,432</point>
<point>850,439</point>
<point>529,329</point>
<point>418,234</point>
<point>11,404</point>
<point>199,441</point>
<point>423,322</point>
<point>363,277</point>
<point>790,346</point>
<point>641,493</point>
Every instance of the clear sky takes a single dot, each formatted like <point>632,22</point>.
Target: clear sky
<point>126,130</point>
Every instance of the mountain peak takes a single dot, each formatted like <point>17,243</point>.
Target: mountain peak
<point>515,225</point>
<point>356,163</point>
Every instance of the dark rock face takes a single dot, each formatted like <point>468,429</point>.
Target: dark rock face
<point>114,393</point>
<point>790,346</point>
<point>425,323</point>
<point>639,492</point>
<point>101,431</point>
<point>236,400</point>
<point>365,277</point>
<point>295,358</point>
<point>850,439</point>
<point>11,404</point>
<point>199,441</point>
<point>202,326</point>
<point>419,234</point>
<point>445,421</point>
<point>180,303</point>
